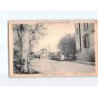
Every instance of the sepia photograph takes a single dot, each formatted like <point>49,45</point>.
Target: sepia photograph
<point>42,48</point>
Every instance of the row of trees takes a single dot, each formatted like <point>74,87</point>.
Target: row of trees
<point>67,46</point>
<point>27,36</point>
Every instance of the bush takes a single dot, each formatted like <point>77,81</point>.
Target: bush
<point>18,63</point>
<point>87,55</point>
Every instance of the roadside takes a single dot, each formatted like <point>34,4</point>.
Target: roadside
<point>87,63</point>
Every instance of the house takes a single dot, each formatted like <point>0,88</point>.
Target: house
<point>84,35</point>
<point>43,53</point>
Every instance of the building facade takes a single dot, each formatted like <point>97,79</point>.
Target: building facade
<point>43,53</point>
<point>84,33</point>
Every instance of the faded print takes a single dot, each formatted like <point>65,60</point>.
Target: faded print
<point>52,47</point>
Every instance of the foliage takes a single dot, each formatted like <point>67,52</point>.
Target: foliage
<point>67,46</point>
<point>35,31</point>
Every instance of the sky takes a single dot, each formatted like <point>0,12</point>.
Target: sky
<point>55,31</point>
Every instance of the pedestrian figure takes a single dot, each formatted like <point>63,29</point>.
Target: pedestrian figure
<point>39,57</point>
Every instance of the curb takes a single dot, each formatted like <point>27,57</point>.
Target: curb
<point>88,63</point>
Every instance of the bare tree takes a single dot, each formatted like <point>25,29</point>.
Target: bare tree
<point>36,32</point>
<point>19,30</point>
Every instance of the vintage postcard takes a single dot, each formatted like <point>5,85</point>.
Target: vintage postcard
<point>44,48</point>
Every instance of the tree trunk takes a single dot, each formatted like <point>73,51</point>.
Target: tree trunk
<point>28,56</point>
<point>21,49</point>
<point>25,51</point>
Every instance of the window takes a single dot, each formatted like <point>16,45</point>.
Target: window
<point>77,31</point>
<point>86,41</point>
<point>86,26</point>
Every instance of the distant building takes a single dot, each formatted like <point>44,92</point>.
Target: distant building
<point>43,53</point>
<point>84,33</point>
